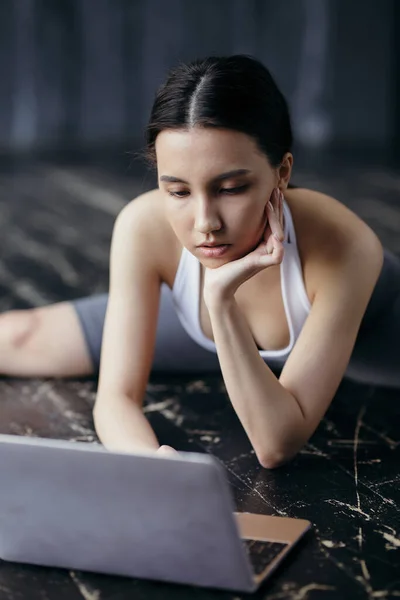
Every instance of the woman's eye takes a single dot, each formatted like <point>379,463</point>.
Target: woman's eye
<point>178,194</point>
<point>234,190</point>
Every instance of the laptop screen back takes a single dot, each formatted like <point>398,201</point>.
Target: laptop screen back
<point>79,506</point>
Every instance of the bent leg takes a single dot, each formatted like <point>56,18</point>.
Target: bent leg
<point>43,342</point>
<point>64,340</point>
<point>375,359</point>
<point>174,348</point>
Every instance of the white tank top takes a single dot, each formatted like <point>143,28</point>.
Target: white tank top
<point>186,295</point>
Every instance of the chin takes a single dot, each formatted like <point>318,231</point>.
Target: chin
<point>214,263</point>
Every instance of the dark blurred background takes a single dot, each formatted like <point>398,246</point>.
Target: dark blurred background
<point>78,78</point>
<point>82,73</point>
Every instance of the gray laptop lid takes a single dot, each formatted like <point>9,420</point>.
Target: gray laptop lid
<point>78,506</point>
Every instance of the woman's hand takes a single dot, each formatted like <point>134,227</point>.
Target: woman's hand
<point>165,450</point>
<point>222,282</point>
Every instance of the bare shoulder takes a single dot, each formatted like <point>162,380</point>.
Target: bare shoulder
<point>328,232</point>
<point>146,213</point>
<point>146,206</point>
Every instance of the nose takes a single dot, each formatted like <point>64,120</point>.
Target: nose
<point>207,218</point>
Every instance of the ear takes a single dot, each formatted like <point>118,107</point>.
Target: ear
<point>285,171</point>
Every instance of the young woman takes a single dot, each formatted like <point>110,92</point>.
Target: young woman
<point>224,266</point>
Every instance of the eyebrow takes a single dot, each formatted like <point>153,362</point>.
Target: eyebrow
<point>234,173</point>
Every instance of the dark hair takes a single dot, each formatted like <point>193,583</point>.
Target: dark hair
<point>234,92</point>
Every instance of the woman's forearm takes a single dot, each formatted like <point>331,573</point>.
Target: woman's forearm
<point>268,412</point>
<point>122,426</point>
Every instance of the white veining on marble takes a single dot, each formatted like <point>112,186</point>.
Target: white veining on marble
<point>83,589</point>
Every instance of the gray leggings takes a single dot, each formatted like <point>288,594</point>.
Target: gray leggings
<point>375,359</point>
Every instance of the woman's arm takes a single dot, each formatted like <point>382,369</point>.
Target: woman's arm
<point>279,416</point>
<point>122,426</point>
<point>268,412</point>
<point>129,331</point>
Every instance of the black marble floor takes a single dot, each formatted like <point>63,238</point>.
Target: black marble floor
<point>55,223</point>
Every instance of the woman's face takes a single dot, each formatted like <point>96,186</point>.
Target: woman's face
<point>216,184</point>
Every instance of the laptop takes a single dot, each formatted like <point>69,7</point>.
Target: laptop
<point>171,518</point>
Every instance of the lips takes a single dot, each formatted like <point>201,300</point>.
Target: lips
<point>214,250</point>
<point>212,244</point>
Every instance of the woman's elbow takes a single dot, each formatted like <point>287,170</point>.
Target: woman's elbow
<point>274,453</point>
<point>269,461</point>
<point>272,459</point>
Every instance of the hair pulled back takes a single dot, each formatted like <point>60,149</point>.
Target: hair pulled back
<point>234,92</point>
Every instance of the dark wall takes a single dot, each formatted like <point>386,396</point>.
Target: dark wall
<point>84,72</point>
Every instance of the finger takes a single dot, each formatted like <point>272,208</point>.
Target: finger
<point>274,253</point>
<point>267,232</point>
<point>266,226</point>
<point>164,449</point>
<point>278,202</point>
<point>273,242</point>
<point>274,222</point>
<point>270,243</point>
<point>281,208</point>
